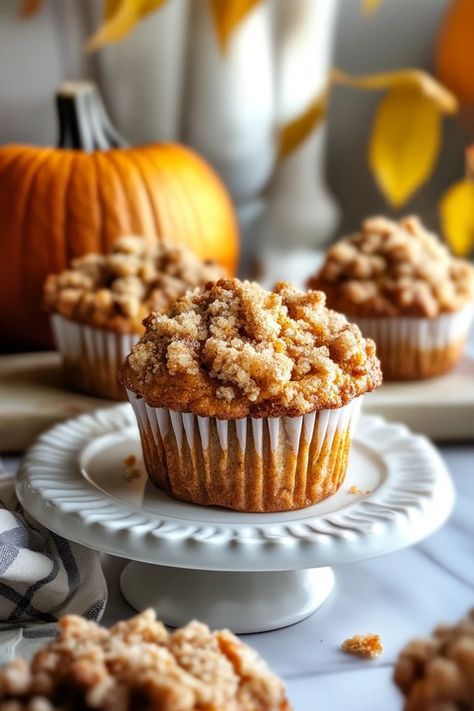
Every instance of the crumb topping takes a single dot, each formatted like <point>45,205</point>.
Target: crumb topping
<point>235,349</point>
<point>366,645</point>
<point>437,672</point>
<point>394,268</point>
<point>118,290</point>
<point>138,665</point>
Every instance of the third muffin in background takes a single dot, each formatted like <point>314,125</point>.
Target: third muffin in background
<point>405,291</point>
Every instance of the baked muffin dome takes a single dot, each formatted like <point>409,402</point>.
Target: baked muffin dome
<point>117,290</point>
<point>390,269</point>
<point>235,349</point>
<point>138,665</point>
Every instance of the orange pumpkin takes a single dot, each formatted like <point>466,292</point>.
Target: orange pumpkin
<point>454,50</point>
<point>60,203</point>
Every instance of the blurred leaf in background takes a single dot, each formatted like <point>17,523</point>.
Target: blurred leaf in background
<point>120,17</point>
<point>227,15</point>
<point>294,133</point>
<point>457,217</point>
<point>406,134</point>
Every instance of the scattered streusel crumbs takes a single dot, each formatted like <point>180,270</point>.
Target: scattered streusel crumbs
<point>363,645</point>
<point>355,490</point>
<point>132,471</point>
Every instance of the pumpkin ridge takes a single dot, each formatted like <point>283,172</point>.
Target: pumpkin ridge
<point>84,212</point>
<point>113,192</point>
<point>67,216</point>
<point>103,236</point>
<point>39,219</point>
<point>174,212</point>
<point>142,220</point>
<point>186,205</point>
<point>136,159</point>
<point>14,283</point>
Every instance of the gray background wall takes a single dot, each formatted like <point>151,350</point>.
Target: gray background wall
<point>401,33</point>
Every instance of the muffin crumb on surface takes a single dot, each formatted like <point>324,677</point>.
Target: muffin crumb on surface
<point>117,290</point>
<point>365,645</point>
<point>393,268</point>
<point>138,664</point>
<point>437,672</point>
<point>234,349</point>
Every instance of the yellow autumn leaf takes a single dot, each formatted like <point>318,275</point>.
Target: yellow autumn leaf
<point>227,14</point>
<point>415,79</point>
<point>120,18</point>
<point>296,131</point>
<point>369,6</point>
<point>457,217</point>
<point>405,142</point>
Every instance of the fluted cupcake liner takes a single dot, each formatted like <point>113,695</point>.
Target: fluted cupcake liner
<point>411,348</point>
<point>92,356</point>
<point>248,464</point>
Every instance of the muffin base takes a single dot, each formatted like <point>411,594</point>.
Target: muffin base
<point>92,356</point>
<point>252,465</point>
<point>412,348</point>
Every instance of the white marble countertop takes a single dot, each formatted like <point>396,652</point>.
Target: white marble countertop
<point>398,596</point>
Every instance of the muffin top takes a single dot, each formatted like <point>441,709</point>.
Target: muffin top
<point>394,269</point>
<point>117,290</point>
<point>138,664</point>
<point>234,349</point>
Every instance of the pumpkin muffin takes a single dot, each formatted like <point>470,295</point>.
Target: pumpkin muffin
<point>405,291</point>
<point>436,673</point>
<point>138,665</point>
<point>247,398</point>
<point>99,303</point>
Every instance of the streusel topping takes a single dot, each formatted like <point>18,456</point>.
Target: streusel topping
<point>235,349</point>
<point>138,666</point>
<point>394,268</point>
<point>117,290</point>
<point>437,672</point>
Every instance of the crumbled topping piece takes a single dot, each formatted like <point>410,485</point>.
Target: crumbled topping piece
<point>438,672</point>
<point>118,290</point>
<point>234,349</point>
<point>137,664</point>
<point>394,268</point>
<point>131,469</point>
<point>366,645</point>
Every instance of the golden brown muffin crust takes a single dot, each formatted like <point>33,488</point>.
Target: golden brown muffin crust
<point>394,269</point>
<point>235,349</point>
<point>117,290</point>
<point>139,665</point>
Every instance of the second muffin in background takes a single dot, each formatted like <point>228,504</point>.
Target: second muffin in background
<point>98,305</point>
<point>247,398</point>
<point>405,291</point>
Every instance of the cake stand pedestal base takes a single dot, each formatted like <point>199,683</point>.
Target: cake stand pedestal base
<point>245,602</point>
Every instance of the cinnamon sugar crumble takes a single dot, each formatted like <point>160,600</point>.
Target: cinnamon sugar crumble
<point>137,665</point>
<point>437,672</point>
<point>355,490</point>
<point>118,290</point>
<point>367,645</point>
<point>131,470</point>
<point>394,268</point>
<point>235,348</point>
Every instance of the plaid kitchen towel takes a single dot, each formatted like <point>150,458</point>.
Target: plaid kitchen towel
<point>42,576</point>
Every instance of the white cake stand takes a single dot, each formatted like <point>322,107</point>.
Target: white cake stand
<point>249,572</point>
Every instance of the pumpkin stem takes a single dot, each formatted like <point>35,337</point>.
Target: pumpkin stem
<point>83,121</point>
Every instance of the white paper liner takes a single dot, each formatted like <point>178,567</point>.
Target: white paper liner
<point>411,344</point>
<point>182,440</point>
<point>92,356</point>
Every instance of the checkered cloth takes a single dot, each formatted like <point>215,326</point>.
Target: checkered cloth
<point>42,576</point>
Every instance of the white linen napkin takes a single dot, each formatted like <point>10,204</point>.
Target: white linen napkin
<point>42,576</point>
